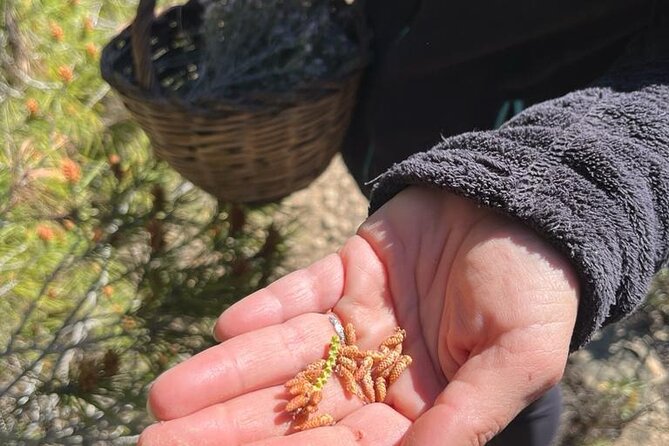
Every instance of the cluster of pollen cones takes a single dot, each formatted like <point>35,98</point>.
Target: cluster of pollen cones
<point>366,374</point>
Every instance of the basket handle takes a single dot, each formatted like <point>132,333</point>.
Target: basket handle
<point>140,39</point>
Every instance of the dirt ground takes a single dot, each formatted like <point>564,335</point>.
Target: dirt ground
<point>627,366</point>
<point>323,216</point>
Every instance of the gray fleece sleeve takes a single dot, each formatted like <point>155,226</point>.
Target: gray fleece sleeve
<point>588,171</point>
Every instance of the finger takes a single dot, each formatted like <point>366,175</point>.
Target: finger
<point>313,289</point>
<point>366,302</point>
<point>418,386</point>
<point>487,392</point>
<point>372,425</point>
<point>251,417</point>
<point>248,362</point>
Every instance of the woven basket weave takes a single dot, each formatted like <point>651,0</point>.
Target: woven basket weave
<point>236,152</point>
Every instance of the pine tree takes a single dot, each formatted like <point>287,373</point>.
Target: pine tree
<point>112,267</point>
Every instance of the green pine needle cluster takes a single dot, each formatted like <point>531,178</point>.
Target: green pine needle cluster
<point>112,267</point>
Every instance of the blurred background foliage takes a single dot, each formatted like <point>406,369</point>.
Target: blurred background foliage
<point>112,267</point>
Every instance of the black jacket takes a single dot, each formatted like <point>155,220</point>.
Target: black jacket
<point>587,166</point>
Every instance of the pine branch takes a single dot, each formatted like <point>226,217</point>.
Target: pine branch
<point>49,349</point>
<point>19,64</point>
<point>67,262</point>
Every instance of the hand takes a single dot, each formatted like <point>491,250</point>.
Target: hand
<point>488,307</point>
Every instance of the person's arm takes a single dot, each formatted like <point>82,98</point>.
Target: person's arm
<point>588,171</point>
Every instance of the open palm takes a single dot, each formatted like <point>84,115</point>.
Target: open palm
<point>489,309</point>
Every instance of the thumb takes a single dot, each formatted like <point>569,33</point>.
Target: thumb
<point>485,395</point>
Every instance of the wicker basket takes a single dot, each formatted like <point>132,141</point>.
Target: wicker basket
<point>235,152</point>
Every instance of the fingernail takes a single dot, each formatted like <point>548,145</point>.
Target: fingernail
<point>152,417</point>
<point>213,334</point>
<point>149,411</point>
